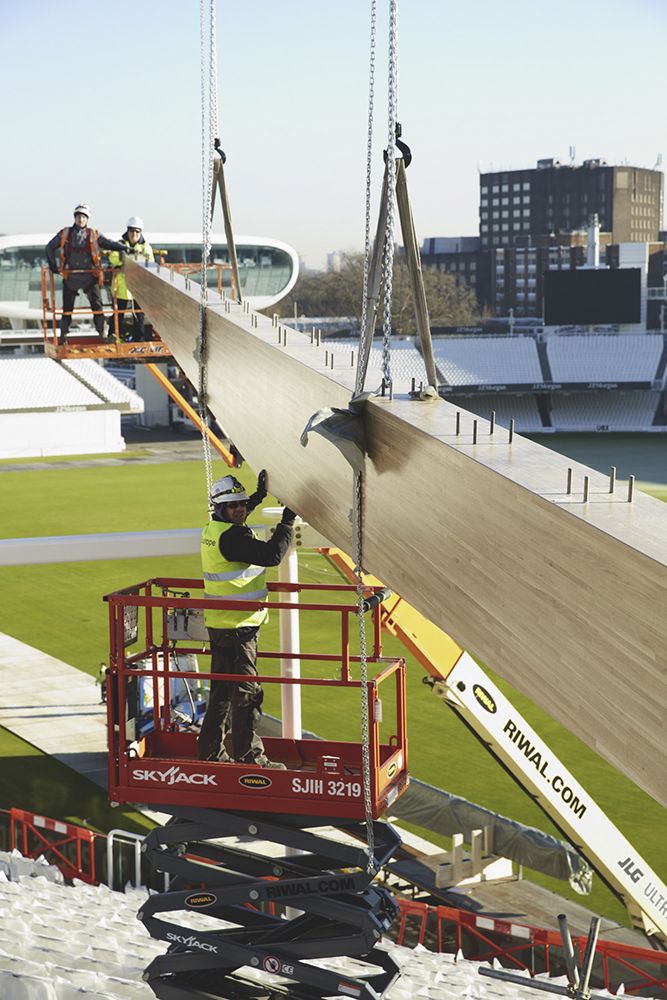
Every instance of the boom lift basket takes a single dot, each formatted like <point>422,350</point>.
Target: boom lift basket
<point>86,344</point>
<point>152,722</point>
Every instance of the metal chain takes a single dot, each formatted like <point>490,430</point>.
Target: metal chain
<point>209,102</point>
<point>360,374</point>
<point>357,501</point>
<point>363,671</point>
<point>388,255</point>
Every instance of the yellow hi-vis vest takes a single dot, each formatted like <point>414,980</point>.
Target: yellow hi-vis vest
<point>230,581</point>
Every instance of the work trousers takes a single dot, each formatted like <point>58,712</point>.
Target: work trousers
<point>125,309</point>
<point>94,297</point>
<point>232,708</point>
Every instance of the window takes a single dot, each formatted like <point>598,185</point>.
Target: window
<point>484,228</point>
<point>484,190</point>
<point>505,201</point>
<point>495,189</point>
<point>526,185</point>
<point>505,214</point>
<point>496,201</point>
<point>526,211</point>
<point>526,199</point>
<point>516,187</point>
<point>505,188</point>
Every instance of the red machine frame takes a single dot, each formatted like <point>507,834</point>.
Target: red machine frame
<point>322,777</point>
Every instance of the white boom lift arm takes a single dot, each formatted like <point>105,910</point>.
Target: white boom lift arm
<point>473,696</point>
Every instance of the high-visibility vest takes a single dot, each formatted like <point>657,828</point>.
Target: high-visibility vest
<point>119,285</point>
<point>230,581</point>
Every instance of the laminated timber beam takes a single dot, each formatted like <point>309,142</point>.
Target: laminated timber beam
<point>564,598</point>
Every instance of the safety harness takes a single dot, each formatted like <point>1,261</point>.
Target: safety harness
<point>67,247</point>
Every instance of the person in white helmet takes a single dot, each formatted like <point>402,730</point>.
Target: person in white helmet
<point>233,563</point>
<point>74,252</point>
<point>134,243</point>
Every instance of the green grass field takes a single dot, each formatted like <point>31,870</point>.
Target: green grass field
<point>58,608</point>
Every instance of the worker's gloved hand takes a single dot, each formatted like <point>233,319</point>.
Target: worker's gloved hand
<point>262,481</point>
<point>288,516</point>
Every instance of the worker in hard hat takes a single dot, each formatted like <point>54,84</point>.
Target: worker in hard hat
<point>134,243</point>
<point>74,252</point>
<point>233,564</point>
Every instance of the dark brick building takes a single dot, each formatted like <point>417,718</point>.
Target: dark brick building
<point>556,198</point>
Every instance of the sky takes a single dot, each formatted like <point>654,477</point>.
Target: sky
<point>101,103</point>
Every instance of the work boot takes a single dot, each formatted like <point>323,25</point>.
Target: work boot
<point>263,761</point>
<point>62,340</point>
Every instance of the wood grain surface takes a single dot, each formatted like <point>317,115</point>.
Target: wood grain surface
<point>564,599</point>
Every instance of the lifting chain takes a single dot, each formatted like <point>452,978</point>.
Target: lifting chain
<point>360,374</point>
<point>209,130</point>
<point>388,255</point>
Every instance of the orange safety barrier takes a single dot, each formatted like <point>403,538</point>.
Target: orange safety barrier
<point>481,938</point>
<point>70,848</point>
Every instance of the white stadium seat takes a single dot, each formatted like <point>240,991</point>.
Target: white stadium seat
<point>600,358</point>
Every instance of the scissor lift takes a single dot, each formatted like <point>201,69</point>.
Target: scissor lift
<point>326,880</point>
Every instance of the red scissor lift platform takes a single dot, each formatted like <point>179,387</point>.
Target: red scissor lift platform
<point>323,778</point>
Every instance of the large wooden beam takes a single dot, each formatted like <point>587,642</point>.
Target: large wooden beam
<point>565,599</point>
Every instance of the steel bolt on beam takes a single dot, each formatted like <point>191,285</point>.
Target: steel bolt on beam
<point>285,337</point>
<point>492,423</point>
<point>511,434</point>
<point>383,387</point>
<point>318,337</point>
<point>458,422</point>
<point>280,336</point>
<point>569,482</point>
<point>332,360</point>
<point>391,390</point>
<point>326,359</point>
<point>351,359</point>
<point>612,479</point>
<point>474,432</point>
<point>631,489</point>
<point>586,482</point>
<point>413,385</point>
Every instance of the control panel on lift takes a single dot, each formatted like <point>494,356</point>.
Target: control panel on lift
<point>158,689</point>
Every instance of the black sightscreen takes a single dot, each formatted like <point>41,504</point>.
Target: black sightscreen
<point>583,297</point>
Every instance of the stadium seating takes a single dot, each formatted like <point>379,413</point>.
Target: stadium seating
<point>487,360</point>
<point>600,358</point>
<point>104,383</point>
<point>523,409</point>
<point>589,411</point>
<point>69,942</point>
<point>40,383</point>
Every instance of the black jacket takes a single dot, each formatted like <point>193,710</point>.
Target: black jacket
<point>238,544</point>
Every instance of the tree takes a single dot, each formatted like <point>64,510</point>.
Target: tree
<point>339,293</point>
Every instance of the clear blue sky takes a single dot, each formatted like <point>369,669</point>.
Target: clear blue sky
<point>101,103</point>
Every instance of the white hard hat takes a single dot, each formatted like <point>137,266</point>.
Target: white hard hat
<point>83,209</point>
<point>227,489</point>
<point>134,222</point>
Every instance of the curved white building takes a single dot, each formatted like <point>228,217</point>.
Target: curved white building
<point>268,269</point>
